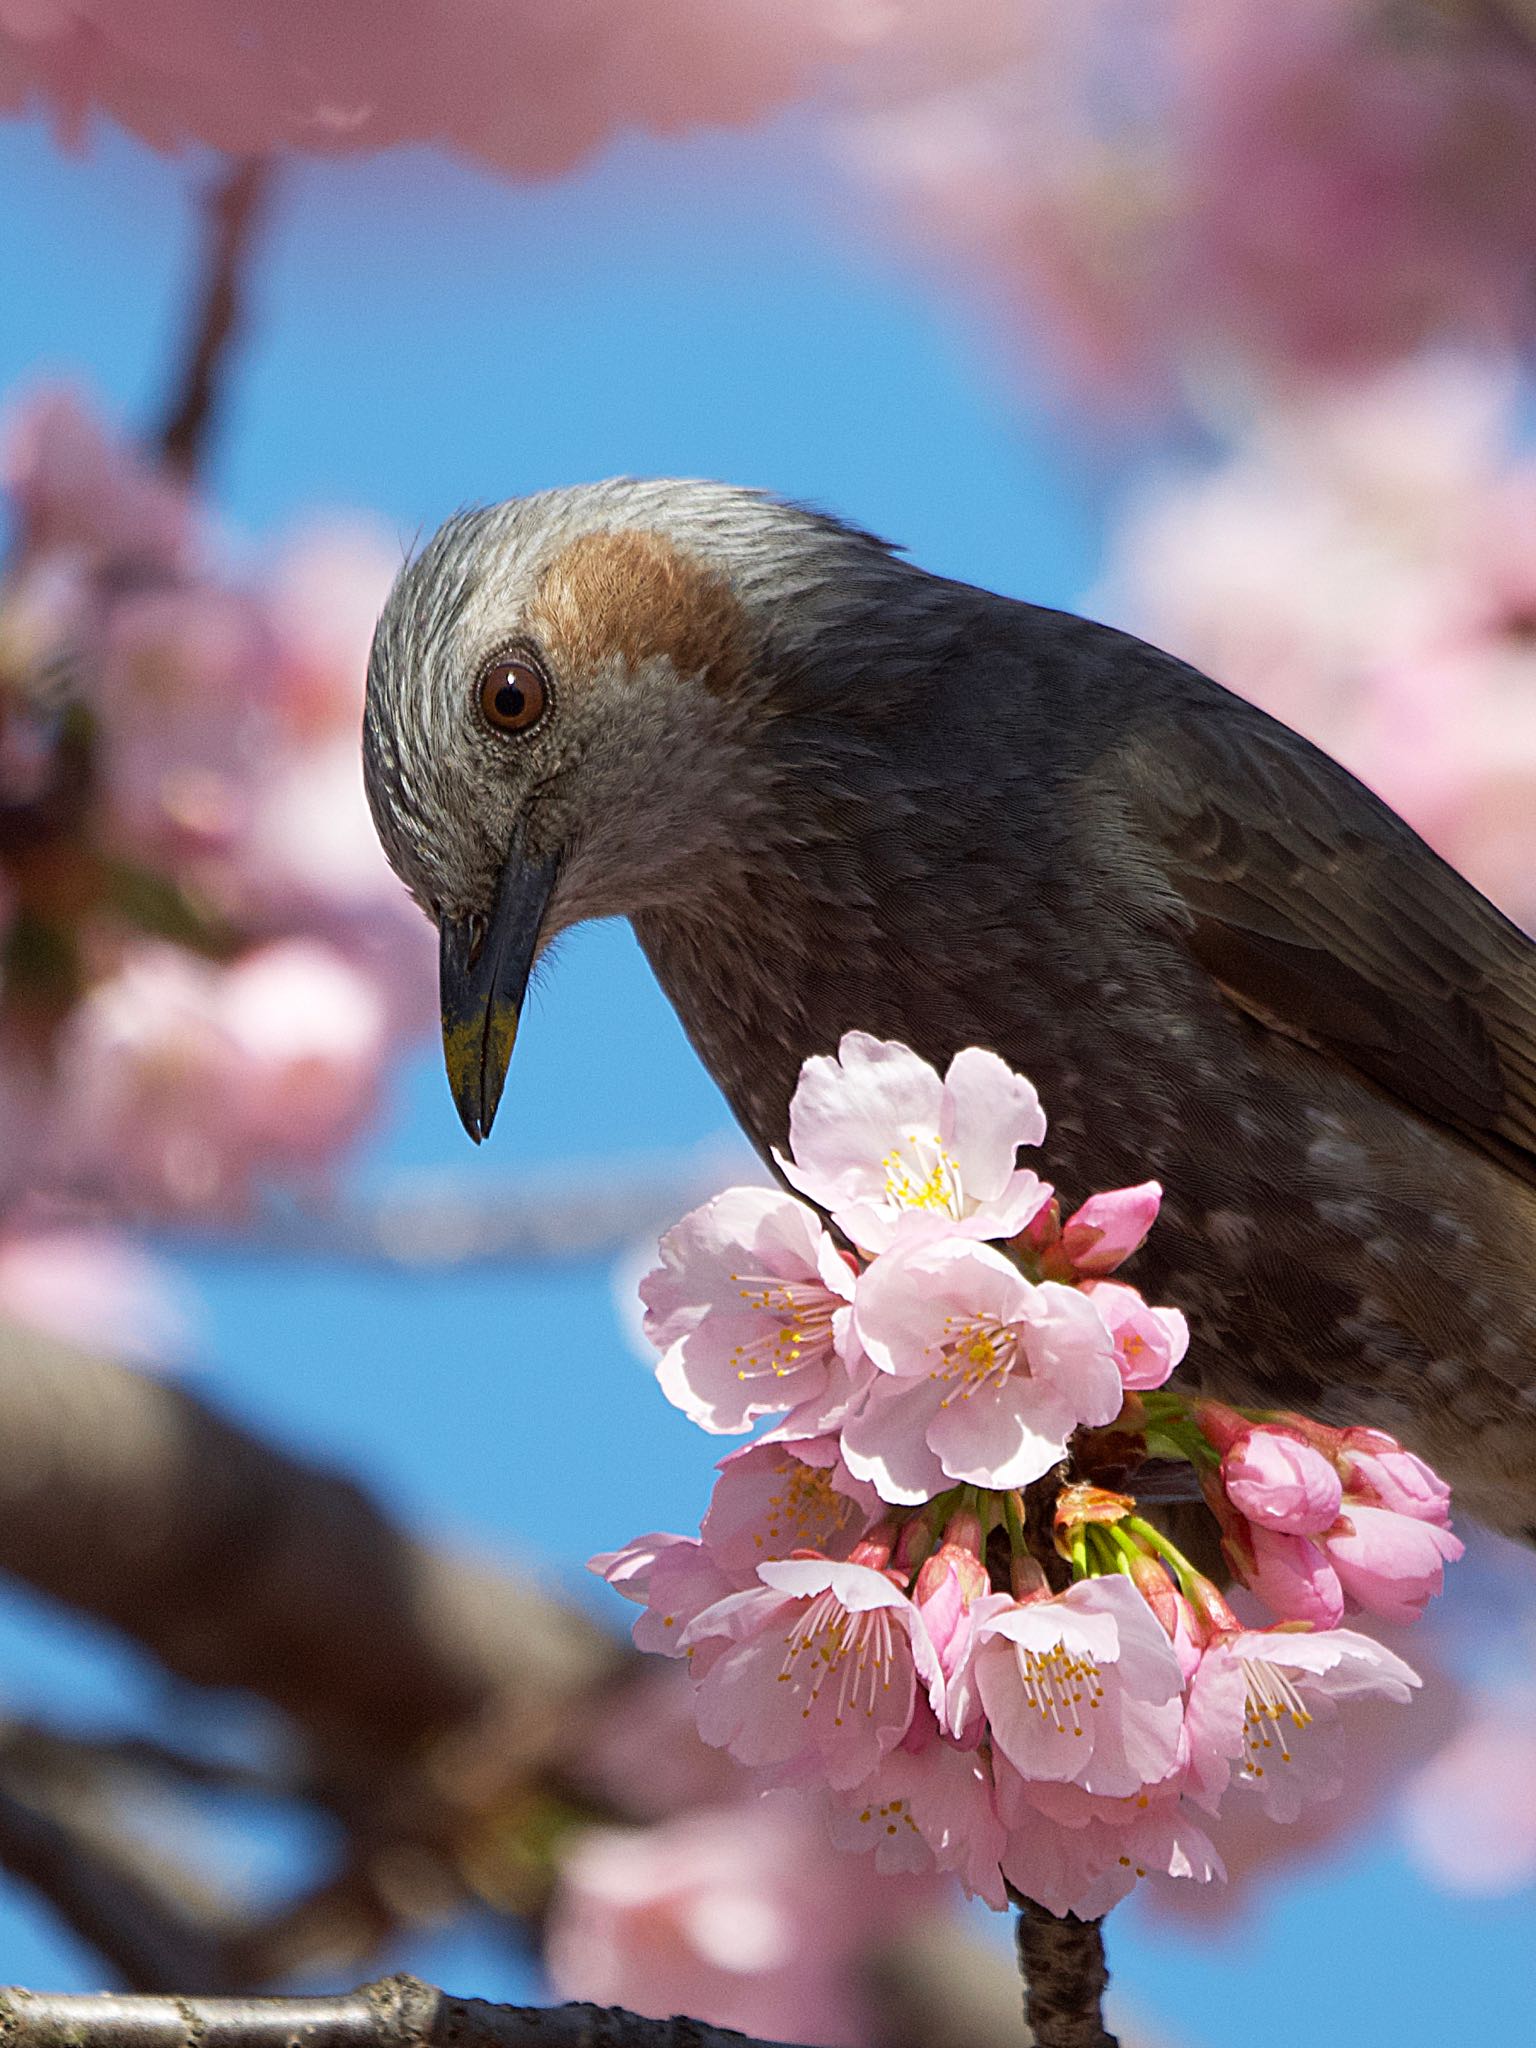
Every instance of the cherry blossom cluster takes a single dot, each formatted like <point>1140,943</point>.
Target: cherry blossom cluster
<point>925,1591</point>
<point>204,960</point>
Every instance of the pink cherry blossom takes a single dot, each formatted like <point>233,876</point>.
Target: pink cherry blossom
<point>674,1578</point>
<point>1291,1575</point>
<point>771,1500</point>
<point>927,1806</point>
<point>1390,1564</point>
<point>1109,1227</point>
<point>819,1670</point>
<point>875,1136</point>
<point>750,1309</point>
<point>1263,1704</point>
<point>981,1375</point>
<point>953,1594</point>
<point>1083,1687</point>
<point>774,1498</point>
<point>1282,1484</point>
<point>1074,1852</point>
<point>1390,1477</point>
<point>1149,1342</point>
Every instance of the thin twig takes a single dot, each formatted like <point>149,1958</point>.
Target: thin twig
<point>231,214</point>
<point>396,2012</point>
<point>1062,1960</point>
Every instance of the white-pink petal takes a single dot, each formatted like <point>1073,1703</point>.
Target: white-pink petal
<point>750,1309</point>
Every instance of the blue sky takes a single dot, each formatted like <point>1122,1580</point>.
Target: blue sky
<point>424,336</point>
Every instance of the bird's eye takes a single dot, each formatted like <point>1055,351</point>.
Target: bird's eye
<point>513,694</point>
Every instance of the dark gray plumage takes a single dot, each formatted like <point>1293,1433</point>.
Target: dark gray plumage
<point>833,792</point>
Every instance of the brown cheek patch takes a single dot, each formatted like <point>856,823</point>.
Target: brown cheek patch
<point>634,595</point>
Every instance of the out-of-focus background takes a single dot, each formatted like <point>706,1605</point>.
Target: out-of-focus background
<point>1217,321</point>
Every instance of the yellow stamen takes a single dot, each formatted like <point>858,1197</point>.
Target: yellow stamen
<point>1056,1683</point>
<point>1271,1701</point>
<point>801,1327</point>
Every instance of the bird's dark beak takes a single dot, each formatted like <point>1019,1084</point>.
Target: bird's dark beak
<point>485,963</point>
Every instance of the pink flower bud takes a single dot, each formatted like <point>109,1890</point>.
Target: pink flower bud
<point>950,1562</point>
<point>1293,1578</point>
<point>1105,1231</point>
<point>1220,1425</point>
<point>1398,1481</point>
<point>1390,1564</point>
<point>1149,1342</point>
<point>1151,1580</point>
<point>1281,1484</point>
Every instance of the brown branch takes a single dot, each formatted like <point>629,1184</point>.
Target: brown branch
<point>396,2012</point>
<point>238,1564</point>
<point>1062,1960</point>
<point>147,1941</point>
<point>231,214</point>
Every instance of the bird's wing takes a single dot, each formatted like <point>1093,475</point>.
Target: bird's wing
<point>1322,915</point>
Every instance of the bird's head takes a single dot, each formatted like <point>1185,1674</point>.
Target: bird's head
<point>566,698</point>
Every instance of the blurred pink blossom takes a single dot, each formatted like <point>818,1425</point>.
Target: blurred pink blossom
<point>529,86</point>
<point>95,1290</point>
<point>180,1080</point>
<point>186,725</point>
<point>744,1916</point>
<point>180,681</point>
<point>1158,197</point>
<point>83,493</point>
<point>1470,1813</point>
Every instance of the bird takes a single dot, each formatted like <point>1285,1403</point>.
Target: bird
<point>833,791</point>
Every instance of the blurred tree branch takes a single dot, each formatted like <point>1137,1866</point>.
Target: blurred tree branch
<point>447,1219</point>
<point>130,1923</point>
<point>232,211</point>
<point>238,1564</point>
